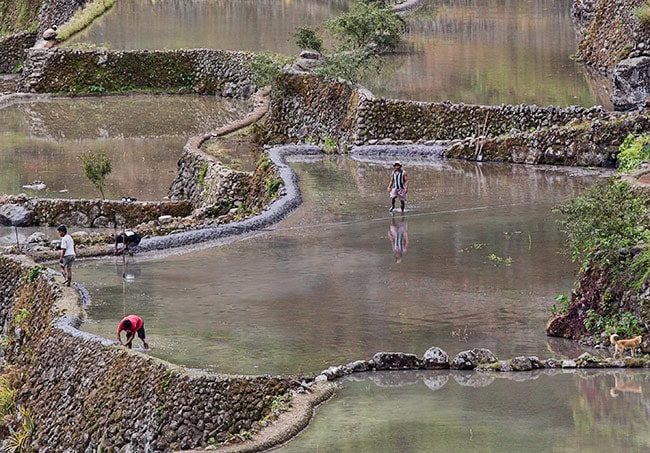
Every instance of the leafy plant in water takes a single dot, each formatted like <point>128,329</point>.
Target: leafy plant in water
<point>498,260</point>
<point>96,167</point>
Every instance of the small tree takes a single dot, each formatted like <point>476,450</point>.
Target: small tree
<point>307,38</point>
<point>96,166</point>
<point>368,25</point>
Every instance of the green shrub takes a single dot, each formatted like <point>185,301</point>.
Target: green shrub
<point>267,66</point>
<point>633,152</point>
<point>96,166</point>
<point>307,38</point>
<point>602,220</point>
<point>642,13</point>
<point>368,25</point>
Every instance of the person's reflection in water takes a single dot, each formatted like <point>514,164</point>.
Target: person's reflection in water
<point>127,269</point>
<point>399,238</point>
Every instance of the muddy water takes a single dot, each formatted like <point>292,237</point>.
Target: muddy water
<point>143,135</point>
<point>479,267</point>
<point>483,52</point>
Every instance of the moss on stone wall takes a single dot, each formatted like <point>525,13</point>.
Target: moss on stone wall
<point>19,15</point>
<point>84,393</point>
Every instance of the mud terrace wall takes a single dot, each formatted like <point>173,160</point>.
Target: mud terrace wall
<point>205,71</point>
<point>83,392</point>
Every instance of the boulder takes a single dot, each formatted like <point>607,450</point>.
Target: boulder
<point>435,359</point>
<point>15,215</point>
<point>468,360</point>
<point>396,361</point>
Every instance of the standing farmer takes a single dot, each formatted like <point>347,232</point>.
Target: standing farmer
<point>67,254</point>
<point>398,186</point>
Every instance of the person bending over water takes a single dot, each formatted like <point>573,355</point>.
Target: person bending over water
<point>132,324</point>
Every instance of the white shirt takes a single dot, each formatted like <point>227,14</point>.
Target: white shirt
<point>68,244</point>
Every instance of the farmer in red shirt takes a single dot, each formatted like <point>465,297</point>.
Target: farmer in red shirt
<point>132,324</point>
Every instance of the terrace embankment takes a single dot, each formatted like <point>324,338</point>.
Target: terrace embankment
<point>84,393</point>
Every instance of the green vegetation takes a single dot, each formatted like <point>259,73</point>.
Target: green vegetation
<point>22,315</point>
<point>499,260</point>
<point>96,166</point>
<point>307,38</point>
<point>83,17</point>
<point>633,152</point>
<point>368,25</point>
<point>330,145</point>
<point>34,272</point>
<point>602,221</point>
<point>8,395</point>
<point>19,15</point>
<point>607,233</point>
<point>272,185</point>
<point>562,306</point>
<point>202,173</point>
<point>623,324</point>
<point>642,13</point>
<point>267,66</point>
<point>19,441</point>
<point>367,30</point>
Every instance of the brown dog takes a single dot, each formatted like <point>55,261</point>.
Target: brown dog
<point>621,345</point>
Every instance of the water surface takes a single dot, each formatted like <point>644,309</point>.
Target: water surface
<point>559,411</point>
<point>325,287</point>
<point>143,136</point>
<point>481,52</point>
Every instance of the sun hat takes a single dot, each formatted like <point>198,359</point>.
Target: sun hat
<point>397,163</point>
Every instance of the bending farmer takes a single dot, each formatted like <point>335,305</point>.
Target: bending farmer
<point>132,324</point>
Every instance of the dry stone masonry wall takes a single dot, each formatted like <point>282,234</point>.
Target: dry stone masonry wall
<point>205,71</point>
<point>93,394</point>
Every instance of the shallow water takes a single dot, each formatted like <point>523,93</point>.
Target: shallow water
<point>488,52</point>
<point>559,411</point>
<point>143,135</point>
<point>481,269</point>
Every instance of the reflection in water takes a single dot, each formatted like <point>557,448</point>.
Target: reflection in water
<point>315,291</point>
<point>399,238</point>
<point>482,52</point>
<point>538,411</point>
<point>143,135</point>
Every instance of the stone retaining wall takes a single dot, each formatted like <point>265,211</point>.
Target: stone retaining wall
<point>12,50</point>
<point>21,210</point>
<point>304,108</point>
<point>210,187</point>
<point>205,71</point>
<point>84,393</point>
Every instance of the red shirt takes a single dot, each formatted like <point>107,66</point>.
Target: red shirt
<point>136,323</point>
